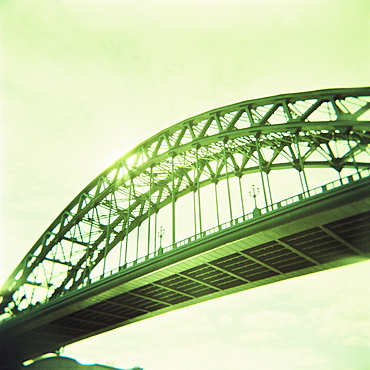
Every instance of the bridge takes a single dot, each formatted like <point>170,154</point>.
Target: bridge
<point>234,198</point>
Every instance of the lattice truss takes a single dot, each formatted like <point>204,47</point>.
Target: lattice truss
<point>297,131</point>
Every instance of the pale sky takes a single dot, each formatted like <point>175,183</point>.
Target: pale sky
<point>85,81</point>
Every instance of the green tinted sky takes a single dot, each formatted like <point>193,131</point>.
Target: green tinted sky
<point>84,81</point>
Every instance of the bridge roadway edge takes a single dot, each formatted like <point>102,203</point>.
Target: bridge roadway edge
<point>322,209</point>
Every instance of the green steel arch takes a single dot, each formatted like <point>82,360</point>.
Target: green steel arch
<point>295,132</point>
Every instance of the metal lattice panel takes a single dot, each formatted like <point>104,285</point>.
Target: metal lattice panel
<point>319,245</point>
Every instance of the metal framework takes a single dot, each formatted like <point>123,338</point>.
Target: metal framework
<point>115,220</point>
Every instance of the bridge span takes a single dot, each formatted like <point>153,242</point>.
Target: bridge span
<point>101,264</point>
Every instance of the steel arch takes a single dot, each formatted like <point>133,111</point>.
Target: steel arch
<point>291,131</point>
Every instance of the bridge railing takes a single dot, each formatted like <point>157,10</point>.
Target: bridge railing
<point>257,212</point>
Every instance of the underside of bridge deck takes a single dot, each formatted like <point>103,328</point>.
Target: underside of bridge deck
<point>323,232</point>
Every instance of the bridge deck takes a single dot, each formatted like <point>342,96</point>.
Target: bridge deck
<point>318,233</point>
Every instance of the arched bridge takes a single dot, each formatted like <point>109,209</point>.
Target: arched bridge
<point>237,197</point>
